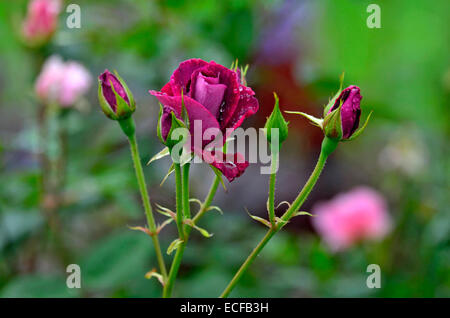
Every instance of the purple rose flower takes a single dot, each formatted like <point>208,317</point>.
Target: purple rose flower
<point>350,110</point>
<point>212,94</point>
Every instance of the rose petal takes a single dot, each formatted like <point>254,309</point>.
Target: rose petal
<point>181,77</point>
<point>350,111</point>
<point>197,114</point>
<point>226,77</point>
<point>209,93</point>
<point>231,165</point>
<point>247,106</point>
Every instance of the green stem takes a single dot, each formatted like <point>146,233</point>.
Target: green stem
<point>179,201</point>
<point>208,200</point>
<point>146,202</point>
<point>186,212</point>
<point>180,251</point>
<point>185,182</point>
<point>248,262</point>
<point>273,176</point>
<point>174,270</point>
<point>328,147</point>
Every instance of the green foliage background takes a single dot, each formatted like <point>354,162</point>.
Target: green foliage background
<point>403,70</point>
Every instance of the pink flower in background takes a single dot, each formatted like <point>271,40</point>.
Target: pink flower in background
<point>351,217</point>
<point>41,20</point>
<point>62,82</point>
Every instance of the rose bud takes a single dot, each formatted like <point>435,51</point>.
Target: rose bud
<point>213,95</point>
<point>41,21</point>
<point>276,121</point>
<point>342,115</point>
<point>115,98</point>
<point>342,118</point>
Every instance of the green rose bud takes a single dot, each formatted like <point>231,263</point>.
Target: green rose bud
<point>276,121</point>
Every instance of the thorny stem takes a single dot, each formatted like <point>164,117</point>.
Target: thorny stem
<point>328,147</point>
<point>184,231</point>
<point>146,200</point>
<point>273,176</point>
<point>207,202</point>
<point>179,201</point>
<point>203,209</point>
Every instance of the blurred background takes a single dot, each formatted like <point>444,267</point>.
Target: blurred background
<point>295,48</point>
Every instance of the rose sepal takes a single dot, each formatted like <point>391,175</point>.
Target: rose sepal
<point>332,124</point>
<point>123,110</point>
<point>107,110</point>
<point>130,96</point>
<point>333,99</point>
<point>314,120</point>
<point>360,130</point>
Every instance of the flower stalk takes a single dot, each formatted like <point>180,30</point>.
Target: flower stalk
<point>179,201</point>
<point>271,199</point>
<point>182,181</point>
<point>203,209</point>
<point>328,146</point>
<point>208,200</point>
<point>127,126</point>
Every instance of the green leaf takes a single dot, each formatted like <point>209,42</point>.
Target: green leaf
<point>163,153</point>
<point>174,245</point>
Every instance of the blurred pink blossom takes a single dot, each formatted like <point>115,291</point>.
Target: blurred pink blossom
<point>350,217</point>
<point>62,82</point>
<point>41,20</point>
